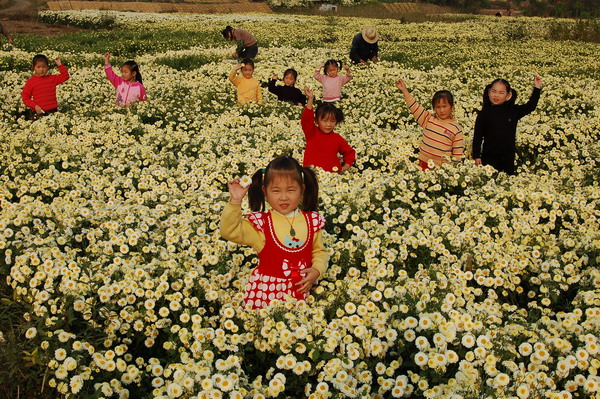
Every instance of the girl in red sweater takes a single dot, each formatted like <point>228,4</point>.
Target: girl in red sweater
<point>323,145</point>
<point>39,92</point>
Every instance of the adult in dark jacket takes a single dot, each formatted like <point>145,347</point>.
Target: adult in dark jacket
<point>364,46</point>
<point>494,141</point>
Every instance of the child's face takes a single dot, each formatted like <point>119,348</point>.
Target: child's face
<point>247,71</point>
<point>326,123</point>
<point>40,68</point>
<point>283,194</point>
<point>127,75</point>
<point>289,80</point>
<point>332,70</point>
<point>443,109</point>
<point>498,94</point>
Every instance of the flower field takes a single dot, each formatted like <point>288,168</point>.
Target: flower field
<point>455,283</point>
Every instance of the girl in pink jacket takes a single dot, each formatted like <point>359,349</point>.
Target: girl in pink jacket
<point>331,81</point>
<point>129,85</point>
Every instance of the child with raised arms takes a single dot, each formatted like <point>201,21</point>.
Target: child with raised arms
<point>248,88</point>
<point>442,137</point>
<point>323,146</point>
<point>287,238</point>
<point>332,82</point>
<point>39,92</point>
<point>495,137</point>
<point>129,85</point>
<point>287,92</point>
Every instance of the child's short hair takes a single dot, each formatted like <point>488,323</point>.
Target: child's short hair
<point>326,109</point>
<point>442,95</point>
<point>486,92</point>
<point>225,32</point>
<point>39,57</point>
<point>291,71</point>
<point>328,63</point>
<point>248,61</point>
<point>134,67</point>
<point>288,166</point>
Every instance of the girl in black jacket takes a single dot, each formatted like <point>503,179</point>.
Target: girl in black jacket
<point>496,124</point>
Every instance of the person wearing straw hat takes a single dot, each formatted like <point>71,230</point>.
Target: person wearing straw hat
<point>364,46</point>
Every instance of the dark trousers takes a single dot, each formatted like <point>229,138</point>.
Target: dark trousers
<point>504,163</point>
<point>249,52</point>
<point>32,115</point>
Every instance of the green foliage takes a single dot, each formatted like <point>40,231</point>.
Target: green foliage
<point>126,43</point>
<point>585,30</point>
<point>100,20</point>
<point>466,5</point>
<point>563,8</point>
<point>186,62</point>
<point>20,365</point>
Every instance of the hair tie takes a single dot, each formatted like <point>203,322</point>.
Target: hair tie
<point>264,170</point>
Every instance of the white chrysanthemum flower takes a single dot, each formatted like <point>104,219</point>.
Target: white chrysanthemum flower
<point>31,333</point>
<point>245,181</point>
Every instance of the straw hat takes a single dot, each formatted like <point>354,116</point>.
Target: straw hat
<point>370,35</point>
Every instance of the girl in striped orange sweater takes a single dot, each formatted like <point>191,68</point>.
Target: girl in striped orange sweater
<point>442,135</point>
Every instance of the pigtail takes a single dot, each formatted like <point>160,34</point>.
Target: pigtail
<point>310,199</point>
<point>513,98</point>
<point>486,96</point>
<point>256,196</point>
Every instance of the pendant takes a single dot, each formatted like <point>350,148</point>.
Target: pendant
<point>292,232</point>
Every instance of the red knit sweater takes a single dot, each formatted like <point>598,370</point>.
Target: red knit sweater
<point>41,90</point>
<point>322,149</point>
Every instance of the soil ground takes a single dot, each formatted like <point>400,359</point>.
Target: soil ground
<point>34,27</point>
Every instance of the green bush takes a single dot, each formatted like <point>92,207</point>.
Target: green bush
<point>187,62</point>
<point>580,30</point>
<point>99,20</point>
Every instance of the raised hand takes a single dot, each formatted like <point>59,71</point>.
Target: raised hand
<point>308,91</point>
<point>236,190</point>
<point>537,82</point>
<point>58,61</point>
<point>107,58</point>
<point>401,85</point>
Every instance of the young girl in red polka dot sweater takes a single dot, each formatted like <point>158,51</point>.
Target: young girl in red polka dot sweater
<point>287,238</point>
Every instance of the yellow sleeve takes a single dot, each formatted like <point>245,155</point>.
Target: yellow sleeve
<point>258,94</point>
<point>319,254</point>
<point>234,78</point>
<point>238,229</point>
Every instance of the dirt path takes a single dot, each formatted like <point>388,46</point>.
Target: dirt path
<point>17,8</point>
<point>36,28</point>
